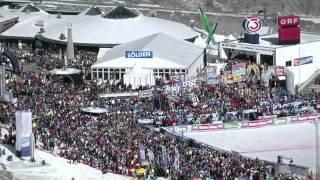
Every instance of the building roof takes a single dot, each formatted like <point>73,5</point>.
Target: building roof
<point>168,52</point>
<point>96,31</point>
<point>120,12</point>
<point>92,11</point>
<point>271,41</point>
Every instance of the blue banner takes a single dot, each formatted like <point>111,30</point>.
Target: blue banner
<point>303,60</point>
<point>139,54</point>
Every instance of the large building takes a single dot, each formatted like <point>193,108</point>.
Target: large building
<point>90,29</point>
<point>302,59</point>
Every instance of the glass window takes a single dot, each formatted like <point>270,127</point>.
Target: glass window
<point>117,76</point>
<point>183,71</point>
<point>100,75</point>
<point>123,70</point>
<point>288,63</point>
<point>167,70</point>
<point>161,70</point>
<point>106,75</point>
<point>94,75</point>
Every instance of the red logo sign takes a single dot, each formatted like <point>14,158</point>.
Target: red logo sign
<point>252,24</point>
<point>286,21</point>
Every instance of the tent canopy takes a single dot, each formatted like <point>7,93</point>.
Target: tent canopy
<point>168,52</point>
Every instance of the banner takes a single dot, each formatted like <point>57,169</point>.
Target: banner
<point>212,76</point>
<point>232,125</point>
<point>23,132</point>
<point>284,120</point>
<point>303,61</point>
<point>176,158</point>
<point>142,152</point>
<point>164,157</point>
<point>238,71</point>
<point>260,123</point>
<point>227,78</point>
<point>139,54</point>
<point>150,157</point>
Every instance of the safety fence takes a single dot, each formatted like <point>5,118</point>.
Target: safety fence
<point>266,121</point>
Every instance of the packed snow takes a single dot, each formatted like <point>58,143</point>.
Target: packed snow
<point>56,168</point>
<point>295,141</point>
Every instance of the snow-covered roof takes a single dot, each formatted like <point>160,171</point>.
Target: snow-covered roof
<point>272,40</point>
<point>97,31</point>
<point>168,52</point>
<point>92,11</point>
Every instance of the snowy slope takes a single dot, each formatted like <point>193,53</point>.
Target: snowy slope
<point>294,140</point>
<point>57,168</point>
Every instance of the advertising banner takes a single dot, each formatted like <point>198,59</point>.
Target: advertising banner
<point>260,123</point>
<point>23,132</point>
<point>238,71</point>
<point>227,78</point>
<point>212,76</point>
<point>142,151</point>
<point>284,120</point>
<point>205,127</point>
<point>303,61</point>
<point>232,125</point>
<point>139,54</point>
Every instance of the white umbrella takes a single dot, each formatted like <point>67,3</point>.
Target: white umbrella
<point>94,110</point>
<point>67,71</point>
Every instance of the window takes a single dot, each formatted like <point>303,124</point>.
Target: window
<point>106,76</point>
<point>94,73</point>
<point>288,63</point>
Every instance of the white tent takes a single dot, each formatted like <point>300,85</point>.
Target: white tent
<point>167,54</point>
<point>138,76</point>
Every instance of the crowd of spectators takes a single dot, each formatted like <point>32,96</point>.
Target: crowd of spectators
<point>110,141</point>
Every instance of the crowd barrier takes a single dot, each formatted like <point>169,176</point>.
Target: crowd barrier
<point>272,120</point>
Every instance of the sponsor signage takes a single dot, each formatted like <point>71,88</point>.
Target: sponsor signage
<point>252,24</point>
<point>139,54</point>
<point>251,48</point>
<point>238,70</point>
<point>180,129</point>
<point>289,21</point>
<point>212,77</point>
<point>232,125</point>
<point>289,29</point>
<point>282,121</point>
<point>260,123</point>
<point>303,61</point>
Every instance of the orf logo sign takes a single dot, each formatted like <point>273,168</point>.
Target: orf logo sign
<point>287,21</point>
<point>252,24</point>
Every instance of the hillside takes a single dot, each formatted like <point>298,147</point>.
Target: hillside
<point>300,7</point>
